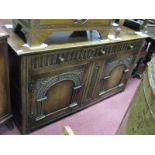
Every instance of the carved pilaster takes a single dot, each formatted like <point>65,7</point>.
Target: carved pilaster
<point>93,80</point>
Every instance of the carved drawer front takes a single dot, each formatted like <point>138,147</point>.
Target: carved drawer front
<point>76,55</point>
<point>70,56</point>
<point>115,75</point>
<point>122,47</point>
<point>55,95</point>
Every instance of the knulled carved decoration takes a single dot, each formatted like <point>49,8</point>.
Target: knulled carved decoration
<point>79,54</point>
<point>40,61</point>
<point>43,85</point>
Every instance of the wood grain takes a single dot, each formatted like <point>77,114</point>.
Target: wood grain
<point>61,79</point>
<point>5,107</point>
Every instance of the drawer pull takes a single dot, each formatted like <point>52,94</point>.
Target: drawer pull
<point>61,59</point>
<point>130,47</point>
<point>102,52</point>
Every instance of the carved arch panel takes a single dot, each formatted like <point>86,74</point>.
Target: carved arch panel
<point>114,74</point>
<point>113,64</point>
<point>68,84</point>
<point>45,83</point>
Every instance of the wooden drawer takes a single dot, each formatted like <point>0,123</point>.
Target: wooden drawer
<point>77,55</point>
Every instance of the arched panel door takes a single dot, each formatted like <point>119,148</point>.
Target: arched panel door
<point>56,94</point>
<point>59,96</point>
<point>114,75</point>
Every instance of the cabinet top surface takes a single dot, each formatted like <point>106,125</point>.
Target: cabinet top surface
<point>66,40</point>
<point>3,34</point>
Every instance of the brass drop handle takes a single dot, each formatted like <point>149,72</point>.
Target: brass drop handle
<point>130,47</point>
<point>102,52</point>
<point>79,21</point>
<point>61,59</point>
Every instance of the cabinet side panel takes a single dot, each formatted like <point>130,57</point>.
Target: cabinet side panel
<point>15,85</point>
<point>4,98</point>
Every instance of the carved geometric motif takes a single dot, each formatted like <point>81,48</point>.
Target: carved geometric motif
<point>44,84</point>
<point>79,54</point>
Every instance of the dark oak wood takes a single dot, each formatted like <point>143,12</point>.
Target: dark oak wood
<point>52,82</point>
<point>5,108</point>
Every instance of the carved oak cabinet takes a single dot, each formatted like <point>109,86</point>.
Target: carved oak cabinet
<point>5,108</point>
<point>52,82</point>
